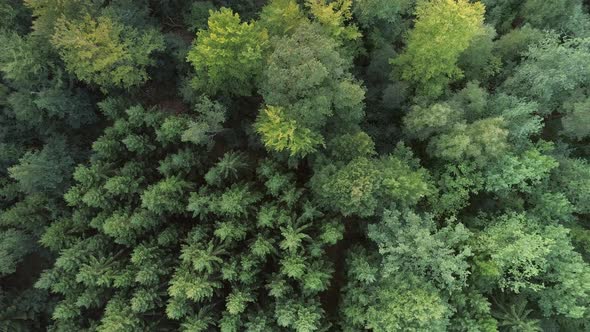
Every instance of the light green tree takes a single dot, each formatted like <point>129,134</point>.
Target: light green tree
<point>229,55</point>
<point>106,52</point>
<point>442,31</point>
<point>280,133</point>
<point>281,17</point>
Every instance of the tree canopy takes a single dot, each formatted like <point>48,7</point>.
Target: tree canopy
<point>294,165</point>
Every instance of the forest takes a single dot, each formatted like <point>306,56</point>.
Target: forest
<point>294,165</point>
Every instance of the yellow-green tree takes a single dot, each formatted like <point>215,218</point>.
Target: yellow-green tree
<point>333,16</point>
<point>106,52</point>
<point>279,133</point>
<point>281,17</point>
<point>48,12</point>
<point>443,30</point>
<point>228,55</point>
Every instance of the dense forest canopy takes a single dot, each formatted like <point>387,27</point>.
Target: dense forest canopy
<point>294,165</point>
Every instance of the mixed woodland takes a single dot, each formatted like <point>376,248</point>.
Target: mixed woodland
<point>294,165</point>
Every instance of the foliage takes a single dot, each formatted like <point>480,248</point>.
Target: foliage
<point>443,30</point>
<point>516,251</point>
<point>47,170</point>
<point>515,317</point>
<point>281,134</point>
<point>552,72</point>
<point>364,185</point>
<point>305,86</point>
<point>332,16</point>
<point>228,54</point>
<point>287,165</point>
<point>390,303</point>
<point>369,11</point>
<point>281,17</point>
<point>105,52</point>
<point>419,248</point>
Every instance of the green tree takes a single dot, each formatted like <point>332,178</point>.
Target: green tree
<point>47,170</point>
<point>281,17</point>
<point>479,61</point>
<point>332,16</point>
<point>24,62</point>
<point>576,122</point>
<point>305,86</point>
<point>556,15</point>
<point>279,133</point>
<point>551,73</point>
<point>106,52</point>
<point>518,254</point>
<point>48,12</point>
<point>571,177</point>
<point>443,30</point>
<point>228,55</point>
<point>370,11</point>
<point>410,243</point>
<point>389,303</point>
<point>512,46</point>
<point>365,185</point>
<point>113,247</point>
<point>450,134</point>
<point>198,14</point>
<point>567,16</point>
